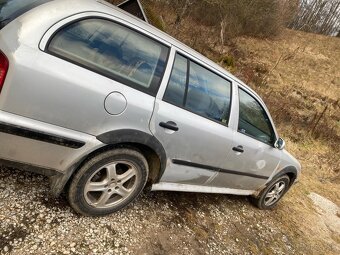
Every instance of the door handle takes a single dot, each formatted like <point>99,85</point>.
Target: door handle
<point>169,125</point>
<point>238,149</point>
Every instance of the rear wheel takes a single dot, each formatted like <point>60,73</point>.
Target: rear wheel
<point>108,182</point>
<point>271,195</point>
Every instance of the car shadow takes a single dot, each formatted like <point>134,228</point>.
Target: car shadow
<point>181,201</point>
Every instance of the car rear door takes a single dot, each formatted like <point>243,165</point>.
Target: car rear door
<point>191,121</point>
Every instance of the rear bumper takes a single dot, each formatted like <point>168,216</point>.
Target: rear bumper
<point>43,148</point>
<point>40,144</point>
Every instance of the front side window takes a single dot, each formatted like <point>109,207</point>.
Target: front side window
<point>114,51</point>
<point>253,120</point>
<point>208,94</point>
<point>198,90</point>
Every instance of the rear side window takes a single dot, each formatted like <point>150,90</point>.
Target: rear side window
<point>197,89</point>
<point>253,120</point>
<point>112,50</point>
<point>11,9</point>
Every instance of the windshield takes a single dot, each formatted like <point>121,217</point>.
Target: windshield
<point>11,9</point>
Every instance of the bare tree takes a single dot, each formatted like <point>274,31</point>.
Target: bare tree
<point>318,16</point>
<point>260,18</point>
<point>181,8</point>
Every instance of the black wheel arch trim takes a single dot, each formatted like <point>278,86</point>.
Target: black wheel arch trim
<point>136,136</point>
<point>287,170</point>
<point>117,137</point>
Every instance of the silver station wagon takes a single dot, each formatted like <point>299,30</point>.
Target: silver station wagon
<point>105,104</point>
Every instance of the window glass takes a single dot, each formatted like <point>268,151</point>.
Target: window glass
<point>113,50</point>
<point>208,94</point>
<point>11,9</point>
<point>253,119</point>
<point>176,87</point>
<point>203,92</point>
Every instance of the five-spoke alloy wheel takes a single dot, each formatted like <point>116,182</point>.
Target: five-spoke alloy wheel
<point>275,190</point>
<point>275,193</point>
<point>108,182</point>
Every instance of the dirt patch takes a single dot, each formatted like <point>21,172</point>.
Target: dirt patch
<point>329,221</point>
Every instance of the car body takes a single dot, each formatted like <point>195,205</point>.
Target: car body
<point>84,77</point>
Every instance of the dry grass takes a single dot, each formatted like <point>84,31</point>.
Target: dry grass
<point>312,62</point>
<point>303,79</point>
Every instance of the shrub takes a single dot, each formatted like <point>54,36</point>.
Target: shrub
<point>228,61</point>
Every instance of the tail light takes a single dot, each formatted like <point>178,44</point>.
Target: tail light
<point>3,69</point>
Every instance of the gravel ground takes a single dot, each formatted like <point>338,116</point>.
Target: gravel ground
<point>32,222</point>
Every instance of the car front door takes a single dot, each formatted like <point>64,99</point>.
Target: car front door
<point>254,158</point>
<point>191,121</point>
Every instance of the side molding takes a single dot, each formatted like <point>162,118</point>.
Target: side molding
<point>217,169</point>
<point>40,136</point>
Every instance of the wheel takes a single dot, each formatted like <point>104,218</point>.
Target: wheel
<point>108,182</point>
<point>269,197</point>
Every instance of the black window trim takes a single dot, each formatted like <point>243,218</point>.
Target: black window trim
<point>187,84</point>
<point>270,122</point>
<point>187,79</point>
<point>152,90</point>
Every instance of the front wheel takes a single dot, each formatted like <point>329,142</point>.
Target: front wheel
<point>108,182</point>
<point>271,195</point>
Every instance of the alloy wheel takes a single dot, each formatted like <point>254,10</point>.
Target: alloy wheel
<point>275,193</point>
<point>111,184</point>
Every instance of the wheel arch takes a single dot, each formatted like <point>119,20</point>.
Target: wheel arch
<point>145,143</point>
<point>290,171</point>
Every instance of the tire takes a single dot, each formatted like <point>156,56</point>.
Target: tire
<point>273,193</point>
<point>108,182</point>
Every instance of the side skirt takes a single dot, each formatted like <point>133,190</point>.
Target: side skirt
<point>166,186</point>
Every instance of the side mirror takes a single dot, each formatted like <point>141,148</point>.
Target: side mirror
<point>280,144</point>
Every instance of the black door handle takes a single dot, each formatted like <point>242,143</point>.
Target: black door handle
<point>169,125</point>
<point>239,149</point>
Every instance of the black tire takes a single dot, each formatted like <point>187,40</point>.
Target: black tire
<point>102,168</point>
<point>262,201</point>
